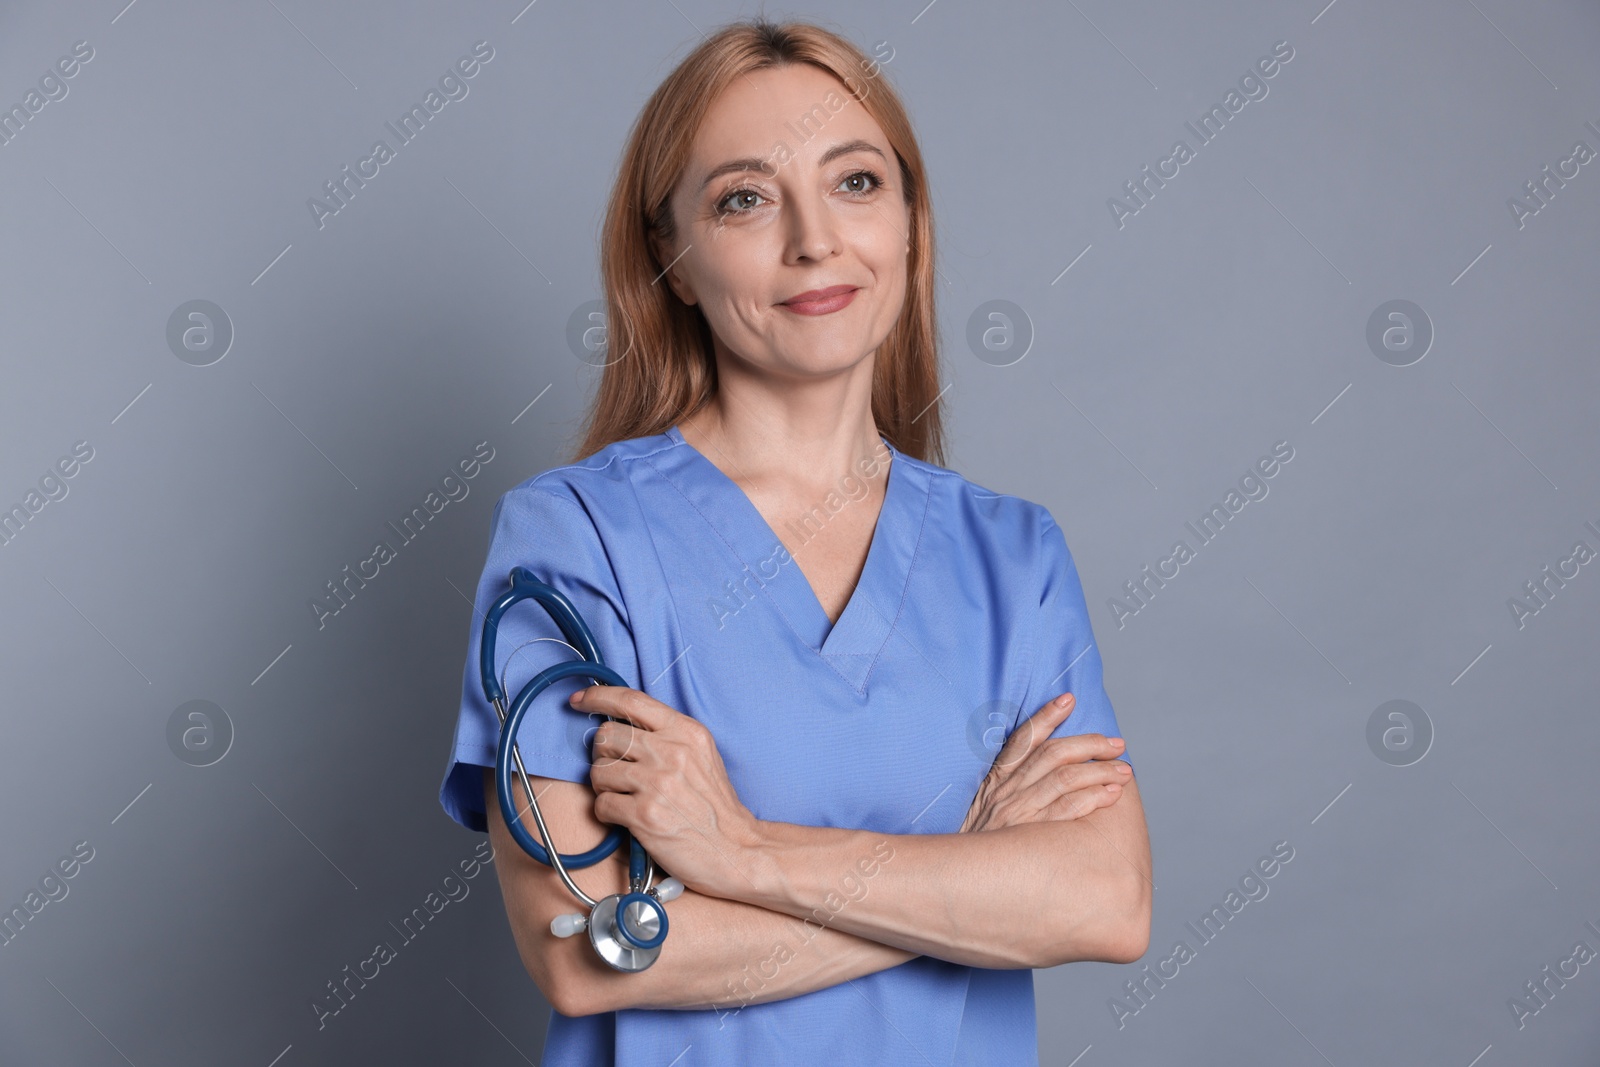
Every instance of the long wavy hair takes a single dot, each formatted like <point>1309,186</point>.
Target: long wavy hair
<point>667,370</point>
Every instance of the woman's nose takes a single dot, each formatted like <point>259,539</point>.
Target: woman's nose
<point>813,231</point>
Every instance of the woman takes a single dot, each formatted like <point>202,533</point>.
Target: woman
<point>825,633</point>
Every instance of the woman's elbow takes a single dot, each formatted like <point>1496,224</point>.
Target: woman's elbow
<point>568,993</point>
<point>1131,941</point>
<point>1119,945</point>
<point>1131,937</point>
<point>569,1001</point>
<point>558,975</point>
<point>1120,937</point>
<point>576,989</point>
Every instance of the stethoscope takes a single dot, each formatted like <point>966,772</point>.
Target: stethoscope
<point>626,929</point>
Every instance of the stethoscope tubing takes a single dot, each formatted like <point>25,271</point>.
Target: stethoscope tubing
<point>524,586</point>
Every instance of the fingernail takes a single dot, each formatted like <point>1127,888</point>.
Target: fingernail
<point>577,698</point>
<point>1064,700</point>
<point>1117,742</point>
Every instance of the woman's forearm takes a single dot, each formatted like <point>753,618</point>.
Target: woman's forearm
<point>723,955</point>
<point>726,954</point>
<point>1035,894</point>
<point>1032,895</point>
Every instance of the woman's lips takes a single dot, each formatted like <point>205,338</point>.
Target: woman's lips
<point>821,301</point>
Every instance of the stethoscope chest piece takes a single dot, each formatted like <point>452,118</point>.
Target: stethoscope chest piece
<point>627,930</point>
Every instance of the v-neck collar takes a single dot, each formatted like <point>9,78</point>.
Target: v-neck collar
<point>850,645</point>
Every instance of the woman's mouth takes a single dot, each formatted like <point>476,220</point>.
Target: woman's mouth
<point>821,301</point>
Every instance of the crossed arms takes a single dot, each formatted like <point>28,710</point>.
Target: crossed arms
<point>1052,866</point>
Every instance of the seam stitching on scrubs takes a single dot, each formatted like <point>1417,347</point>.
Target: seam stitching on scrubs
<point>532,485</point>
<point>830,657</point>
<point>888,632</point>
<point>576,501</point>
<point>966,1009</point>
<point>1035,632</point>
<point>483,707</point>
<point>826,659</point>
<point>661,569</point>
<point>729,545</point>
<point>531,482</point>
<point>1032,644</point>
<point>617,603</point>
<point>977,491</point>
<point>911,567</point>
<point>928,470</point>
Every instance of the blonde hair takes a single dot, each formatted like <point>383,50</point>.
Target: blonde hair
<point>667,367</point>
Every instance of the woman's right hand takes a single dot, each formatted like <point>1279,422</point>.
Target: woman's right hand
<point>1037,778</point>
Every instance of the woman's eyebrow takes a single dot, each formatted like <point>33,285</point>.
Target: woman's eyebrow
<point>753,163</point>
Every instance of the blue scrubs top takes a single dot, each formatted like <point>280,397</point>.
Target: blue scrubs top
<point>968,616</point>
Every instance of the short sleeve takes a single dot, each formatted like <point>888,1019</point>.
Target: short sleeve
<point>548,531</point>
<point>1066,658</point>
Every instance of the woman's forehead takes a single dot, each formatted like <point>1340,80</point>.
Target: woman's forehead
<point>798,105</point>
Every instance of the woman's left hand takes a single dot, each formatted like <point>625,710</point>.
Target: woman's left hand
<point>659,774</point>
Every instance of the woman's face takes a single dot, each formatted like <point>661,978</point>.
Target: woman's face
<point>811,200</point>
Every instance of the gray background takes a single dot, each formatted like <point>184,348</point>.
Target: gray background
<point>1229,314</point>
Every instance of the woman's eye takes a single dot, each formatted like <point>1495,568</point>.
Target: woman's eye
<point>743,201</point>
<point>737,196</point>
<point>866,175</point>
